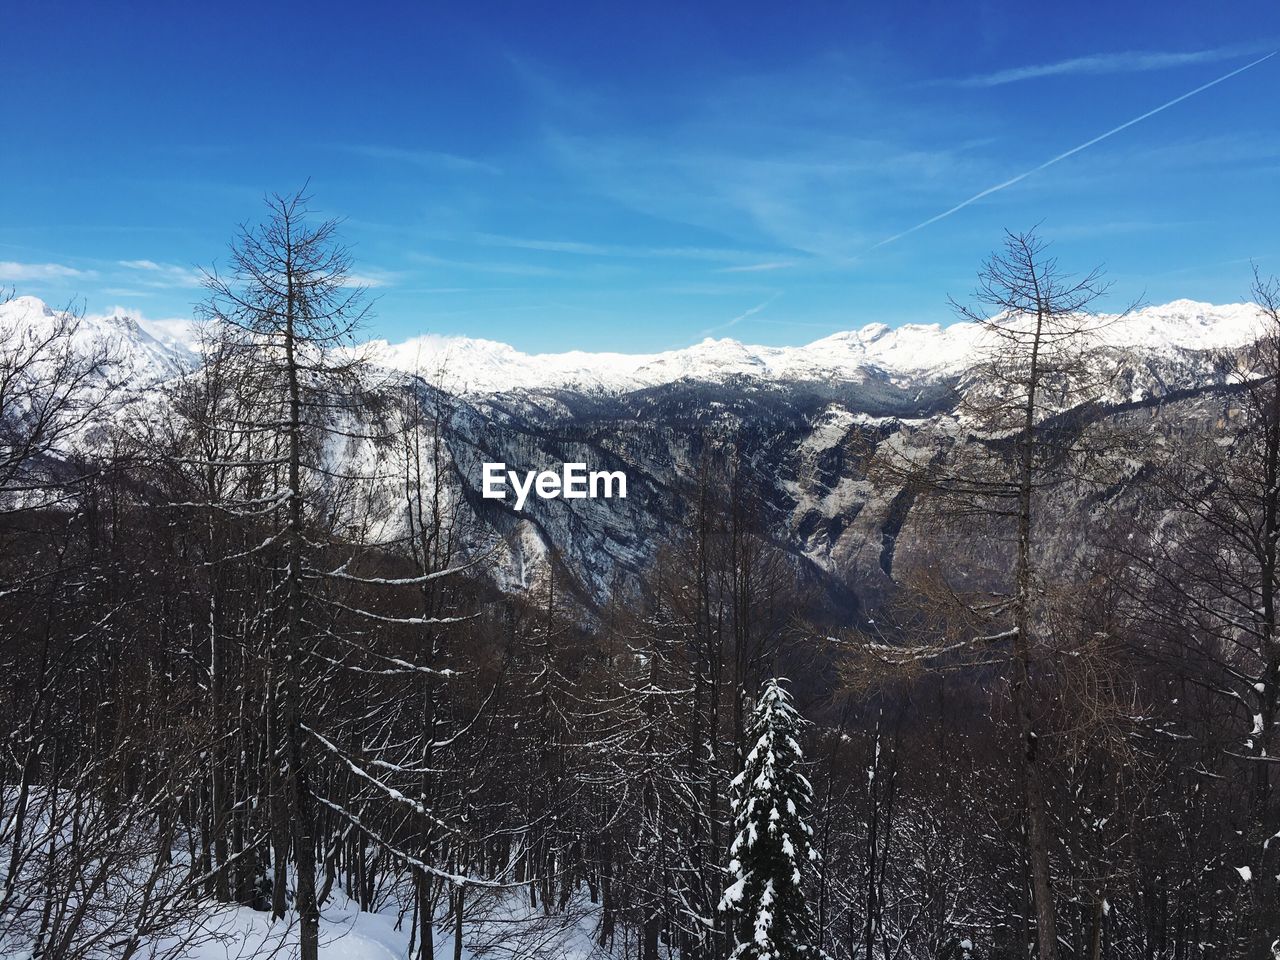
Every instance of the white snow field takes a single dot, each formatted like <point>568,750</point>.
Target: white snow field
<point>508,929</point>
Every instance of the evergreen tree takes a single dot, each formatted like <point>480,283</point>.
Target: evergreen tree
<point>772,846</point>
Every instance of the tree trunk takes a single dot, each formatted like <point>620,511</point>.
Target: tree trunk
<point>459,902</point>
<point>296,788</point>
<point>1037,813</point>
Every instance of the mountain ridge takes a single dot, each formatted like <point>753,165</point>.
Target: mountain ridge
<point>803,419</point>
<point>903,354</point>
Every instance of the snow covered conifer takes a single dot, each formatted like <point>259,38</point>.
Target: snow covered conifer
<point>772,846</point>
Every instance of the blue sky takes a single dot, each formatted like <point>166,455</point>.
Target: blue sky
<point>640,176</point>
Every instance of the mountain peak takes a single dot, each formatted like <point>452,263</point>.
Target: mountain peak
<point>25,307</point>
<point>139,355</point>
<point>873,332</point>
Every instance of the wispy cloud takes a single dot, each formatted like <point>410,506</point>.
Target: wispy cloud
<point>549,246</point>
<point>370,279</point>
<point>713,289</point>
<point>1069,153</point>
<point>431,159</point>
<point>623,251</point>
<point>485,266</point>
<point>172,276</point>
<point>797,189</point>
<point>1099,64</point>
<point>166,275</point>
<point>1116,228</point>
<point>794,323</point>
<point>12,271</point>
<point>759,267</point>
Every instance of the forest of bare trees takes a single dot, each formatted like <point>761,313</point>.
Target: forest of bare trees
<point>249,656</point>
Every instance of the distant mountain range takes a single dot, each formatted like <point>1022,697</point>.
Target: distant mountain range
<point>907,353</point>
<point>904,354</point>
<point>802,419</point>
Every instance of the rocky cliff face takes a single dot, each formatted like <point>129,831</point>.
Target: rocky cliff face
<point>804,446</point>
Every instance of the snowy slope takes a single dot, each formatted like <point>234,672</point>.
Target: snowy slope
<point>906,353</point>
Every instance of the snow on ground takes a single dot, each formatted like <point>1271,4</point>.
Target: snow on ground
<point>507,929</point>
<point>241,933</point>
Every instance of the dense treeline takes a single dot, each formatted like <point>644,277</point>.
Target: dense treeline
<point>249,655</point>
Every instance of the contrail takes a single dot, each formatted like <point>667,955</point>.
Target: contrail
<point>1074,150</point>
<point>745,315</point>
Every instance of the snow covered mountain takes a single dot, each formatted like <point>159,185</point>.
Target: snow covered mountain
<point>909,353</point>
<point>139,358</point>
<point>801,418</point>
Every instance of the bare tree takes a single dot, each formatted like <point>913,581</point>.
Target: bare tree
<point>1024,417</point>
<point>286,315</point>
